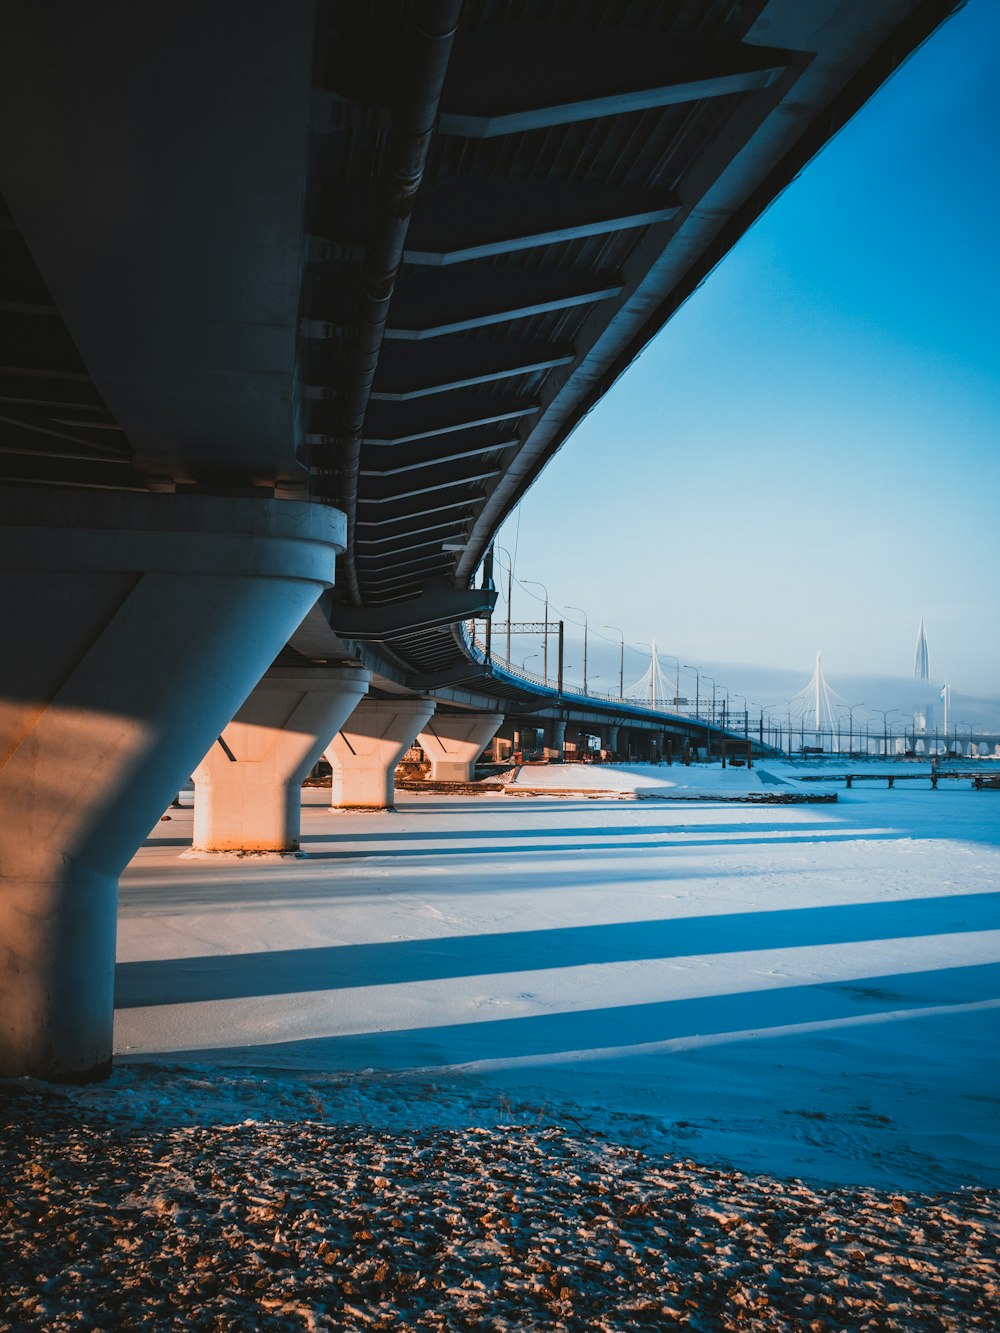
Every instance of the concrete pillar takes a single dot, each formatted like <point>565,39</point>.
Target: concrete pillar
<point>248,788</point>
<point>135,626</point>
<point>454,741</point>
<point>365,751</point>
<point>557,753</point>
<point>612,744</point>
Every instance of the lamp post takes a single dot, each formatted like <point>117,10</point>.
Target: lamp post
<point>545,638</point>
<point>652,677</point>
<point>736,695</point>
<point>772,726</point>
<point>708,730</point>
<point>850,724</point>
<point>697,684</point>
<point>524,664</point>
<point>677,679</point>
<point>904,727</point>
<point>585,624</point>
<point>713,697</point>
<point>885,727</point>
<point>510,579</point>
<point>621,667</point>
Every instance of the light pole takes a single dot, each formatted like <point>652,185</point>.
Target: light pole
<point>585,624</point>
<point>652,678</point>
<point>697,689</point>
<point>677,678</point>
<point>545,639</point>
<point>885,727</point>
<point>510,579</point>
<point>621,666</point>
<point>524,664</point>
<point>713,697</point>
<point>765,712</point>
<point>710,728</point>
<point>745,722</point>
<point>850,724</point>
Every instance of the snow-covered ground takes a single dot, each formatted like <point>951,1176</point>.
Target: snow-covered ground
<point>660,780</point>
<point>800,990</point>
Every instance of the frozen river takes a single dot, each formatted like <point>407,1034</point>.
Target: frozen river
<point>806,990</point>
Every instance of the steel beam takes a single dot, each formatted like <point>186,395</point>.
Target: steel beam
<point>465,220</point>
<point>441,458</point>
<point>520,366</point>
<point>486,297</point>
<point>425,490</point>
<point>449,428</point>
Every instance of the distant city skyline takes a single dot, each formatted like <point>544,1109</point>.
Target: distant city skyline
<point>806,456</point>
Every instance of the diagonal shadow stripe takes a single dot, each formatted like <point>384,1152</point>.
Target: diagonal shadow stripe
<point>336,967</point>
<point>674,844</point>
<point>605,1031</point>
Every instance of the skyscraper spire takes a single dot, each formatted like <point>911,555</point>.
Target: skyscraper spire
<point>921,662</point>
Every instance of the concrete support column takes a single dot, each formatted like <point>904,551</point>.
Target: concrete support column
<point>136,626</point>
<point>613,740</point>
<point>557,752</point>
<point>365,751</point>
<point>248,788</point>
<point>454,741</point>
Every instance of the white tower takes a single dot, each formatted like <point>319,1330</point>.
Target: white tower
<point>922,671</point>
<point>921,661</point>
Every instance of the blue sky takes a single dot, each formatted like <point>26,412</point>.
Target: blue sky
<point>807,456</point>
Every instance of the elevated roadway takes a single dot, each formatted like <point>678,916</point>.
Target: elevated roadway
<point>284,285</point>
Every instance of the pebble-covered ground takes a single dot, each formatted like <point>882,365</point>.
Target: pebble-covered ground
<point>111,1224</point>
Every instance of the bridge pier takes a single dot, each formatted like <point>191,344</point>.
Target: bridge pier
<point>612,740</point>
<point>365,751</point>
<point>557,750</point>
<point>248,787</point>
<point>137,625</point>
<point>454,741</point>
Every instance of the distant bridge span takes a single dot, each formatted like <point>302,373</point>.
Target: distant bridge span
<point>288,282</point>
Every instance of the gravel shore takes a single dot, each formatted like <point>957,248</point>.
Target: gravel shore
<point>119,1223</point>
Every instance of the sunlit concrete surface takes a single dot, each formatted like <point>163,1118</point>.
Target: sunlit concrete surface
<point>807,990</point>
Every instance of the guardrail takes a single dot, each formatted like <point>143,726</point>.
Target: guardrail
<point>476,649</point>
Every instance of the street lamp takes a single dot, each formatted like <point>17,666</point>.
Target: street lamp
<point>850,724</point>
<point>545,641</point>
<point>524,664</point>
<point>745,722</point>
<point>885,727</point>
<point>713,697</point>
<point>510,579</point>
<point>697,690</point>
<point>652,673</point>
<point>772,727</point>
<point>585,625</point>
<point>677,679</point>
<point>621,668</point>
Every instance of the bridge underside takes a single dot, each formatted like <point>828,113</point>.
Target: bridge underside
<point>284,286</point>
<point>383,256</point>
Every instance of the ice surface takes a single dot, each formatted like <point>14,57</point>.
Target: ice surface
<point>803,990</point>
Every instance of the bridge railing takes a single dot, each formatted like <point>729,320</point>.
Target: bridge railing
<point>796,737</point>
<point>476,647</point>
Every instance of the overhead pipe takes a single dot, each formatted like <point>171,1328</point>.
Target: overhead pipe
<point>413,122</point>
